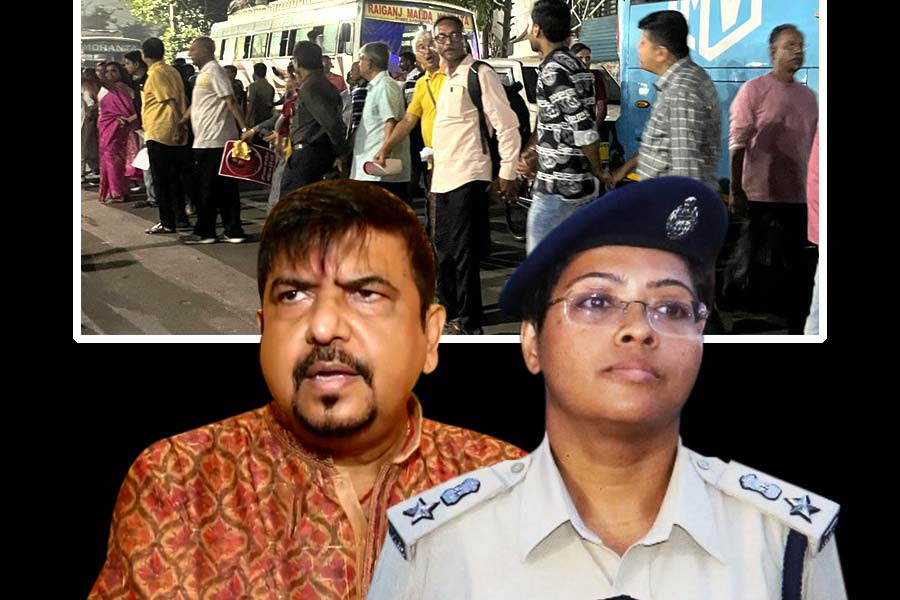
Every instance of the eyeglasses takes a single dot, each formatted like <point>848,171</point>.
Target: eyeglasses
<point>596,307</point>
<point>453,36</point>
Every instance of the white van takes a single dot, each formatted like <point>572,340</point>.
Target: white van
<point>524,69</point>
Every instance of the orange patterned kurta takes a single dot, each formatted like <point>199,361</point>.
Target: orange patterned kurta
<point>238,509</point>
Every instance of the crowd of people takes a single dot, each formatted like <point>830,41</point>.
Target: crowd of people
<point>446,125</point>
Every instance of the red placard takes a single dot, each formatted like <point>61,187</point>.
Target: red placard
<point>258,168</point>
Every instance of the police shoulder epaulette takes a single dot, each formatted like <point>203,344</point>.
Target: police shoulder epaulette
<point>411,520</point>
<point>811,515</point>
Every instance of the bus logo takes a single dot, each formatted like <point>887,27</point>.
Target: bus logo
<point>720,24</point>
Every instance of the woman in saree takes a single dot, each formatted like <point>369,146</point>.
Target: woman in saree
<point>116,124</point>
<point>90,153</point>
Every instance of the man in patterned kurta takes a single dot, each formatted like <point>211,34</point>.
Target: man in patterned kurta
<point>289,500</point>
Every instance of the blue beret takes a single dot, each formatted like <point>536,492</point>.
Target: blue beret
<point>677,214</point>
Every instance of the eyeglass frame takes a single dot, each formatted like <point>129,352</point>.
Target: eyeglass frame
<point>443,39</point>
<point>699,309</point>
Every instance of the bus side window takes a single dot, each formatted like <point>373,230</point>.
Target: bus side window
<point>221,49</point>
<point>248,41</point>
<point>230,49</point>
<point>345,39</point>
<point>283,47</point>
<point>258,45</point>
<point>329,39</point>
<point>292,41</point>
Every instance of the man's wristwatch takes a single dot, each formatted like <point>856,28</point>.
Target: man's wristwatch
<point>245,129</point>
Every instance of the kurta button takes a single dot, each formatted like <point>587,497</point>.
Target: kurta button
<point>517,467</point>
<point>703,464</point>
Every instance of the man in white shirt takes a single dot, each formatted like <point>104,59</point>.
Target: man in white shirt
<point>462,175</point>
<point>212,114</point>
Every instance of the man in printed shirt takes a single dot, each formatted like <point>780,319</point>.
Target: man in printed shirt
<point>288,501</point>
<point>567,142</point>
<point>462,175</point>
<point>682,135</point>
<point>612,504</point>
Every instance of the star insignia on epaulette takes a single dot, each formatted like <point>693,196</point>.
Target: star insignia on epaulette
<point>802,506</point>
<point>421,510</point>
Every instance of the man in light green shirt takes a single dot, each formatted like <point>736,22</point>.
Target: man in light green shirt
<point>384,108</point>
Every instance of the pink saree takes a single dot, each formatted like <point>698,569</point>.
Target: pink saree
<point>115,164</point>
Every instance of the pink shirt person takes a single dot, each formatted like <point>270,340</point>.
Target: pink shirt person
<point>812,193</point>
<point>775,122</point>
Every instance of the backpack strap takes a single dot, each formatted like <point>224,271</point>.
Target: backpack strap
<point>474,87</point>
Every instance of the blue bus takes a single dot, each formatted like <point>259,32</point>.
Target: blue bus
<point>728,38</point>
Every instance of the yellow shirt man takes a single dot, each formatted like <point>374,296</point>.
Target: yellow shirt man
<point>160,114</point>
<point>424,102</point>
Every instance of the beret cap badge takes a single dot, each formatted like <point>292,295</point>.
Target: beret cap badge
<point>683,219</point>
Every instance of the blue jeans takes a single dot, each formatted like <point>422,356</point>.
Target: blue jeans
<point>812,321</point>
<point>547,211</point>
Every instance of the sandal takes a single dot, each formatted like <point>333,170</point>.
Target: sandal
<point>159,228</point>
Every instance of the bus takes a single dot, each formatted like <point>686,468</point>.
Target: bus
<point>96,49</point>
<point>268,33</point>
<point>728,38</point>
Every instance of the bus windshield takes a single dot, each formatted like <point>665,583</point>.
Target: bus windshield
<point>397,24</point>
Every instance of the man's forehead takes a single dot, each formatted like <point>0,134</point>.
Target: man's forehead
<point>369,253</point>
<point>789,35</point>
<point>448,25</point>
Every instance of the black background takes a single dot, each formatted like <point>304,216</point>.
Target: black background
<point>764,405</point>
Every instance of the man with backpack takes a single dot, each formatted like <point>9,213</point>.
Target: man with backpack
<point>566,145</point>
<point>462,173</point>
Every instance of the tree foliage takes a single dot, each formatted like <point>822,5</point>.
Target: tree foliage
<point>487,12</point>
<point>100,18</point>
<point>183,20</point>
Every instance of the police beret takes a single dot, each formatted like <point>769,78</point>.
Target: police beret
<point>677,214</point>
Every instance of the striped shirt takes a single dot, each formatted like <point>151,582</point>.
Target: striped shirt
<point>357,102</point>
<point>682,136</point>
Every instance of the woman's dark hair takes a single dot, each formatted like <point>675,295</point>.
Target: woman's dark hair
<point>667,28</point>
<point>90,80</point>
<point>318,216</point>
<point>124,77</point>
<point>578,47</point>
<point>554,17</point>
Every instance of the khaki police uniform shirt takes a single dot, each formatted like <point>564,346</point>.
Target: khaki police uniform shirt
<point>519,536</point>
